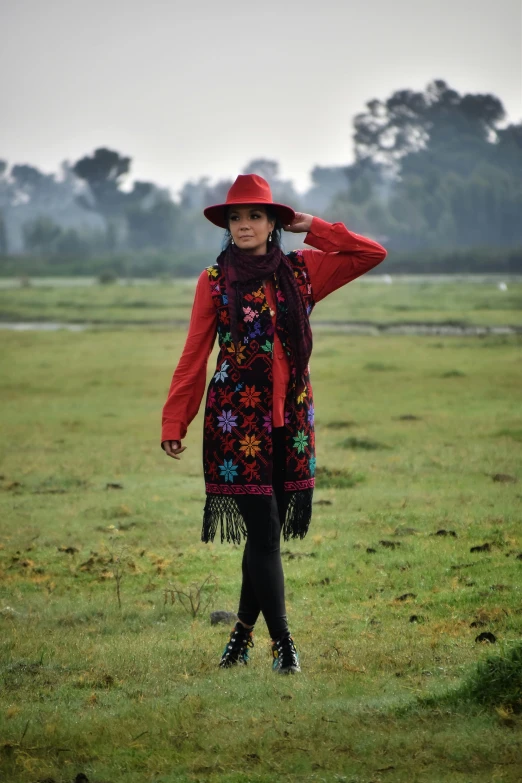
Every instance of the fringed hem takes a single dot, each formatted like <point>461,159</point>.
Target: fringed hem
<point>222,510</point>
<point>298,514</point>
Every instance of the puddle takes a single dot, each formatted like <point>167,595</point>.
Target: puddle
<point>346,327</point>
<point>428,329</point>
<point>42,326</point>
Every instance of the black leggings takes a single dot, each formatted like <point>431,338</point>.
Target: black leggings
<point>263,587</point>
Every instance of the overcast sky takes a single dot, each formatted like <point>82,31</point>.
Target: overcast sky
<point>199,87</point>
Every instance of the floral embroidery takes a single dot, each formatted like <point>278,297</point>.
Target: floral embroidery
<point>250,445</point>
<point>227,421</point>
<point>239,352</point>
<point>300,441</point>
<point>250,397</point>
<point>221,373</point>
<point>228,470</point>
<point>238,419</point>
<point>250,314</point>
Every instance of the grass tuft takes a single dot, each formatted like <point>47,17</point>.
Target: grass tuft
<point>335,478</point>
<point>362,443</point>
<point>497,681</point>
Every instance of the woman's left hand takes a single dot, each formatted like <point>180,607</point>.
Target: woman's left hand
<point>301,222</point>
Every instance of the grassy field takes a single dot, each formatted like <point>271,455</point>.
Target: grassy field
<point>404,301</point>
<point>415,436</point>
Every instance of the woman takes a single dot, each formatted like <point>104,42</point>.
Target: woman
<point>258,440</point>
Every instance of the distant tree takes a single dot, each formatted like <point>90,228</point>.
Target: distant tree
<point>153,218</point>
<point>104,172</point>
<point>217,193</point>
<point>41,236</point>
<point>3,236</point>
<point>263,167</point>
<point>509,149</point>
<point>408,120</point>
<point>193,194</point>
<point>327,183</point>
<point>73,245</point>
<point>446,171</point>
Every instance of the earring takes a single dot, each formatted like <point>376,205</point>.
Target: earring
<point>232,242</point>
<point>270,237</point>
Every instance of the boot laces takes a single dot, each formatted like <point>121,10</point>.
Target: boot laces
<point>285,650</point>
<point>236,649</point>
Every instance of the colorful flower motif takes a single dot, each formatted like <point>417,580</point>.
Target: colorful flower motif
<point>280,296</point>
<point>267,421</point>
<point>250,397</point>
<point>250,445</point>
<point>214,272</point>
<point>311,464</point>
<point>301,397</point>
<point>221,373</point>
<point>249,314</point>
<point>239,354</point>
<point>311,414</point>
<point>227,337</point>
<point>267,347</point>
<point>255,330</point>
<point>225,299</point>
<point>227,421</point>
<point>300,442</point>
<point>239,387</point>
<point>228,470</point>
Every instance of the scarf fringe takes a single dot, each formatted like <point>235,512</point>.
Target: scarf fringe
<point>298,514</point>
<point>222,510</point>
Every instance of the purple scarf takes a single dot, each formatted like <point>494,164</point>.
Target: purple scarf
<point>241,270</point>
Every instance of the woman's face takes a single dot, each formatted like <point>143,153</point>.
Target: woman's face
<point>250,227</point>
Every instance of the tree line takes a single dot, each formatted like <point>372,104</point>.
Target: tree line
<point>436,175</point>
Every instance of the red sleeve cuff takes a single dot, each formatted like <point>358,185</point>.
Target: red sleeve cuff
<point>328,237</point>
<point>173,430</point>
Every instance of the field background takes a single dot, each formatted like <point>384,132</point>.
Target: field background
<point>413,433</point>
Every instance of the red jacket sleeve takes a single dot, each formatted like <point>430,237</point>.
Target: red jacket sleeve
<point>189,379</point>
<point>340,256</point>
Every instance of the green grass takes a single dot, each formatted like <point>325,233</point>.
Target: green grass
<point>134,694</point>
<point>404,301</point>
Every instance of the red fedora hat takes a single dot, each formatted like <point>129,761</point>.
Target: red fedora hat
<point>248,189</point>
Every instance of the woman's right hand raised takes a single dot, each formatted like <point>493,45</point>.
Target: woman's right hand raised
<point>173,448</point>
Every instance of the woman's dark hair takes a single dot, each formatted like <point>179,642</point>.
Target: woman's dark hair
<point>276,233</point>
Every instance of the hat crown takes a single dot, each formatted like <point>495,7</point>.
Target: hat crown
<point>249,189</point>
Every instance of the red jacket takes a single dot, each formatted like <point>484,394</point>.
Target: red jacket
<point>340,256</point>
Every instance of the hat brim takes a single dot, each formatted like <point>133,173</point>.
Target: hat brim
<point>218,212</point>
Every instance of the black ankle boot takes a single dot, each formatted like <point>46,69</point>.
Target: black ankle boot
<point>236,649</point>
<point>286,659</point>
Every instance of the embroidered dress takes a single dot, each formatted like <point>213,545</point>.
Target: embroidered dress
<point>237,441</point>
